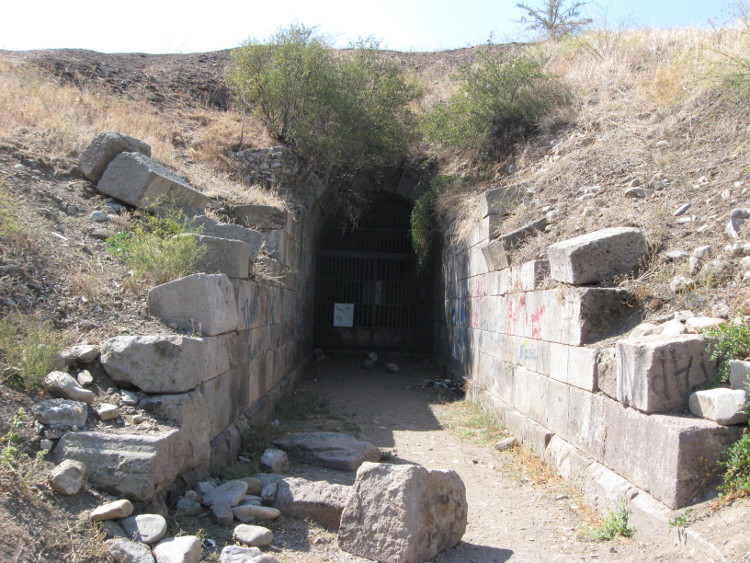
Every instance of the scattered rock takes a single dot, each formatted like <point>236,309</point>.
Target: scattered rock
<point>275,460</point>
<point>702,252</point>
<point>98,216</point>
<point>682,209</point>
<point>268,494</point>
<point>403,513</point>
<point>254,485</point>
<point>183,549</point>
<point>680,284</point>
<point>675,255</point>
<point>740,213</point>
<point>189,507</point>
<point>60,412</point>
<point>672,328</point>
<point>329,449</point>
<point>112,511</point>
<point>506,444</point>
<point>221,513</point>
<point>63,385</point>
<point>128,397</point>
<point>250,512</point>
<point>231,492</point>
<point>84,354</point>
<point>635,193</point>
<point>113,529</point>
<point>254,536</point>
<point>124,550</point>
<point>392,368</point>
<point>67,478</point>
<point>237,554</point>
<point>319,501</point>
<point>84,378</point>
<point>108,412</point>
<point>733,228</point>
<point>146,528</point>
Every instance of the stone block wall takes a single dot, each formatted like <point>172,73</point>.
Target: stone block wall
<point>541,353</point>
<point>243,337</point>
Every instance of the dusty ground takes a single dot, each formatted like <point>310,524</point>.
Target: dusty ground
<point>518,511</point>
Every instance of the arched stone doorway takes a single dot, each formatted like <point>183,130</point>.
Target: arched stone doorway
<point>368,291</point>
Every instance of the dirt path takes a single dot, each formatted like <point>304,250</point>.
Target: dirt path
<point>517,512</point>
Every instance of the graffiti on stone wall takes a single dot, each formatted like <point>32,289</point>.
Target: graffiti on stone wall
<point>519,313</point>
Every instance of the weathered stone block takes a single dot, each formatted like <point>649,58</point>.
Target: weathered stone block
<point>530,394</point>
<point>657,374</point>
<point>582,371</point>
<point>251,304</point>
<point>105,147</point>
<point>138,180</point>
<point>531,274</point>
<point>188,411</point>
<point>258,216</point>
<point>320,501</point>
<point>161,364</point>
<point>724,406</point>
<point>225,448</point>
<point>134,466</point>
<point>606,371</point>
<point>403,513</point>
<point>60,412</point>
<point>586,428</point>
<point>209,227</point>
<point>223,256</point>
<point>202,303</point>
<point>687,448</point>
<point>739,371</point>
<point>494,202</point>
<point>596,256</point>
<point>557,407</point>
<point>496,252</point>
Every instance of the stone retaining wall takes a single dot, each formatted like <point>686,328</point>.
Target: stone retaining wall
<point>533,348</point>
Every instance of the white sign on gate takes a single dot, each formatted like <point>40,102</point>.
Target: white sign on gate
<point>343,314</point>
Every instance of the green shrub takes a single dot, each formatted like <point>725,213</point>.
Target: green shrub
<point>615,524</point>
<point>424,227</point>
<point>155,249</point>
<point>555,19</point>
<point>727,342</point>
<point>28,349</point>
<point>502,98</point>
<point>346,114</point>
<point>736,479</point>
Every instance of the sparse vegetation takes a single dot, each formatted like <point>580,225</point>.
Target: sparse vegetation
<point>347,115</point>
<point>156,248</point>
<point>18,470</point>
<point>28,348</point>
<point>736,479</point>
<point>615,524</point>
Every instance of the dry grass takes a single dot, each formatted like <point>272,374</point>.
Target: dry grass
<point>60,121</point>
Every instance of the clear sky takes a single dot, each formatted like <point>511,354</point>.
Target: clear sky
<point>167,26</point>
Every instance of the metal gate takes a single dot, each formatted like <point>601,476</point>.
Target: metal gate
<point>369,293</point>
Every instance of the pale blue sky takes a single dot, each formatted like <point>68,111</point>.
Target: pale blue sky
<point>166,26</point>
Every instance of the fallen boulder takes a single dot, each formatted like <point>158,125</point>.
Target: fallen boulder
<point>403,513</point>
<point>105,147</point>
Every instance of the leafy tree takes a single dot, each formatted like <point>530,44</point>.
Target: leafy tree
<point>346,113</point>
<point>555,18</point>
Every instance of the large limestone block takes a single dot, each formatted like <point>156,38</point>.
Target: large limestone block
<point>319,501</point>
<point>134,466</point>
<point>497,252</point>
<point>223,256</point>
<point>202,303</point>
<point>724,406</point>
<point>189,411</point>
<point>657,374</point>
<point>136,179</point>
<point>667,456</point>
<point>105,147</point>
<point>155,364</point>
<point>596,256</point>
<point>403,513</point>
<point>209,227</point>
<point>329,449</point>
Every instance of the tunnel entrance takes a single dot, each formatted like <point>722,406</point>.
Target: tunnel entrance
<point>368,291</point>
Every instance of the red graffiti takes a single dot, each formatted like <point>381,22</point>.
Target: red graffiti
<point>514,314</point>
<point>536,322</point>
